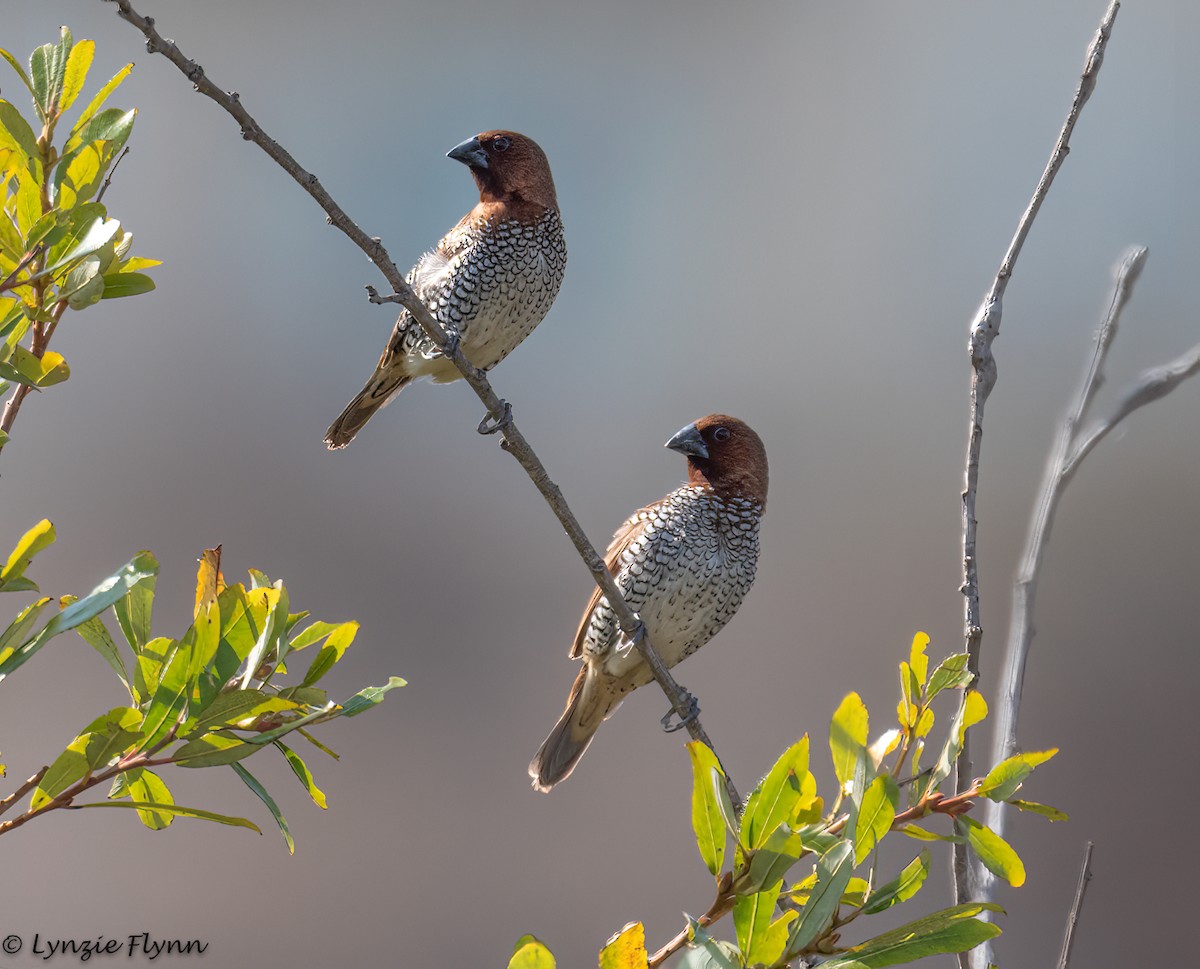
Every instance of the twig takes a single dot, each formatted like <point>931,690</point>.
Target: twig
<point>1085,876</point>
<point>41,339</point>
<point>10,281</point>
<point>24,789</point>
<point>513,440</point>
<point>111,172</point>
<point>984,330</point>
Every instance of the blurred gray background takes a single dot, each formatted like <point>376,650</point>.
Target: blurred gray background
<point>786,211</point>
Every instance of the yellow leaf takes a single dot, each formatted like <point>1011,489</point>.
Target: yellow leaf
<point>531,954</point>
<point>209,581</point>
<point>626,949</point>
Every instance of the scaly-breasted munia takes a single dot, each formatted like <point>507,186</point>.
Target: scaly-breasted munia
<point>489,282</point>
<point>683,564</point>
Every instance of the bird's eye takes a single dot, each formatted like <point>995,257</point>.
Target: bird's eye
<point>503,143</point>
<point>721,434</point>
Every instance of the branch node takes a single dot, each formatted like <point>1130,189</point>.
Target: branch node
<point>374,297</point>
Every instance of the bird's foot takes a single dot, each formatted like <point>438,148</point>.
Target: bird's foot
<point>627,644</point>
<point>450,347</point>
<point>693,706</point>
<point>491,423</point>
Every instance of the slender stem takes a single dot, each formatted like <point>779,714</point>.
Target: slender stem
<point>10,281</point>
<point>111,172</point>
<point>514,441</point>
<point>21,791</point>
<point>1085,876</point>
<point>984,330</point>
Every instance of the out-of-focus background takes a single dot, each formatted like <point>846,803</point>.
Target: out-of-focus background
<point>785,211</point>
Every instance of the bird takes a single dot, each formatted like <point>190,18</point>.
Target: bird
<point>489,281</point>
<point>683,564</point>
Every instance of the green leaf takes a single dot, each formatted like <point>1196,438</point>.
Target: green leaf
<point>833,874</point>
<point>23,367</point>
<point>1006,778</point>
<point>103,739</point>
<point>335,647</point>
<point>708,822</point>
<point>951,930</point>
<point>996,854</point>
<point>252,782</point>
<point>769,863</point>
<point>96,235</point>
<point>142,784</point>
<point>626,949</point>
<point>364,700</point>
<point>920,834</point>
<point>16,135</point>
<point>901,888</point>
<point>168,704</point>
<point>1053,813</point>
<point>179,809</point>
<point>134,612</point>
<point>950,674</point>
<point>39,537</point>
<point>313,633</point>
<point>848,738</point>
<point>141,568</point>
<point>300,769</point>
<point>119,284</point>
<point>78,62</point>
<point>971,711</point>
<point>213,749</point>
<point>81,171</point>
<point>236,706</point>
<point>47,69</point>
<point>875,816</point>
<point>705,952</point>
<point>752,922</point>
<point>19,627</point>
<point>96,104</point>
<point>529,953</point>
<point>96,635</point>
<point>777,798</point>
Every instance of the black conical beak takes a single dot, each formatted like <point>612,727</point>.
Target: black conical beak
<point>688,441</point>
<point>470,153</point>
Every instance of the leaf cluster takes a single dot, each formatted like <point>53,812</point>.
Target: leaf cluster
<point>216,695</point>
<point>780,917</point>
<point>58,247</point>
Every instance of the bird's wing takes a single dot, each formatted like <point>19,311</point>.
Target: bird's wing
<point>625,536</point>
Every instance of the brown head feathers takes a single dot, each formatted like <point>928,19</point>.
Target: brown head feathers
<point>725,456</point>
<point>512,173</point>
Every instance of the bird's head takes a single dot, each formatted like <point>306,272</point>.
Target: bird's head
<point>508,167</point>
<point>725,455</point>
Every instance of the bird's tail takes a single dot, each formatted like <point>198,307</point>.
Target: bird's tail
<point>591,702</point>
<point>381,388</point>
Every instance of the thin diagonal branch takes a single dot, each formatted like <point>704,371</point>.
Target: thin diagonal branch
<point>513,440</point>
<point>1085,876</point>
<point>1072,446</point>
<point>984,330</point>
<point>1054,483</point>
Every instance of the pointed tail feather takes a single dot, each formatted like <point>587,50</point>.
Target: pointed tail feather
<point>380,389</point>
<point>591,701</point>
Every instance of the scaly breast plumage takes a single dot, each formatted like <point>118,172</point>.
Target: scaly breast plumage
<point>685,576</point>
<point>495,290</point>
